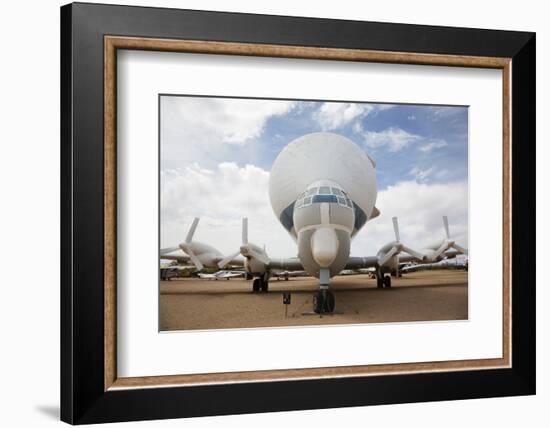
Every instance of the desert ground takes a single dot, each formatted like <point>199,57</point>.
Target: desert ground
<point>191,304</point>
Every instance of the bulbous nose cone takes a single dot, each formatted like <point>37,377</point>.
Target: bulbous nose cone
<point>324,246</point>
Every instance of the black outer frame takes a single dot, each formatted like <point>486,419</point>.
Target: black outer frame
<point>83,399</point>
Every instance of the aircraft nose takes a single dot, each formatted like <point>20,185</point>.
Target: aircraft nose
<point>324,246</point>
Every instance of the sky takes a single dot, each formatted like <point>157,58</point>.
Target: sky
<point>216,154</point>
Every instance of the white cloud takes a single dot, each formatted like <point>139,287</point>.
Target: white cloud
<point>335,115</point>
<point>393,138</point>
<point>236,120</point>
<point>192,128</point>
<point>221,196</point>
<point>429,147</point>
<point>419,208</point>
<point>443,112</point>
<point>421,174</point>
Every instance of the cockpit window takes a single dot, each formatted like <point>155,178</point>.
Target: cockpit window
<point>324,198</point>
<point>323,194</point>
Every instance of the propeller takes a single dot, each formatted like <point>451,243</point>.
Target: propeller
<point>244,232</point>
<point>187,246</point>
<point>251,250</point>
<point>398,247</point>
<point>447,243</point>
<point>246,249</point>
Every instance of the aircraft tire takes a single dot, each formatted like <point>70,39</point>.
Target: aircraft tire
<point>265,286</point>
<point>318,302</point>
<point>330,302</point>
<point>256,285</point>
<point>387,281</point>
<point>380,282</point>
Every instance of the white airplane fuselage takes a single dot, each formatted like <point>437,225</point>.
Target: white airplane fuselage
<point>323,190</point>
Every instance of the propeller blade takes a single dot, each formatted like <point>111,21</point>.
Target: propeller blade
<point>198,264</point>
<point>446,226</point>
<point>168,250</point>
<point>226,260</point>
<point>192,229</point>
<point>414,253</point>
<point>388,256</point>
<point>395,228</point>
<point>442,248</point>
<point>397,268</point>
<point>460,249</point>
<point>245,231</point>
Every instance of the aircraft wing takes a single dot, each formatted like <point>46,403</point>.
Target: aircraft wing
<point>180,259</point>
<point>372,261</point>
<point>168,250</point>
<point>405,258</point>
<point>290,264</point>
<point>361,262</point>
<point>235,275</point>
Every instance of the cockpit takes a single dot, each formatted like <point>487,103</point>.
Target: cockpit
<point>323,194</point>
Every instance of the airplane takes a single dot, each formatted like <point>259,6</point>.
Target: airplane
<point>323,189</point>
<point>285,274</point>
<point>222,274</point>
<point>349,272</point>
<point>169,271</point>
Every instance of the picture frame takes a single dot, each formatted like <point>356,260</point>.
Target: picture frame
<point>91,392</point>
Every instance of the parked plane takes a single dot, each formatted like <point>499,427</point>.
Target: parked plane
<point>323,190</point>
<point>222,274</point>
<point>286,274</point>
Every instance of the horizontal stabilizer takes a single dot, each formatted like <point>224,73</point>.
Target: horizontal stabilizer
<point>375,213</point>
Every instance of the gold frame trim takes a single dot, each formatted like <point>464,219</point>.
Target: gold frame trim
<point>112,43</point>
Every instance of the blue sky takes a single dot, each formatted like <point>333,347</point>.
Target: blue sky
<point>216,154</point>
<point>433,139</point>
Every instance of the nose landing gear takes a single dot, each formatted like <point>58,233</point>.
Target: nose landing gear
<point>323,302</point>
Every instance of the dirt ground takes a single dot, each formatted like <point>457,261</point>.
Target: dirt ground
<point>190,304</point>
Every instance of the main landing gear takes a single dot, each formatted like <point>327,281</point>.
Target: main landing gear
<point>260,284</point>
<point>383,281</point>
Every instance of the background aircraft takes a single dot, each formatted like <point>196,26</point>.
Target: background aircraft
<point>222,274</point>
<point>286,274</point>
